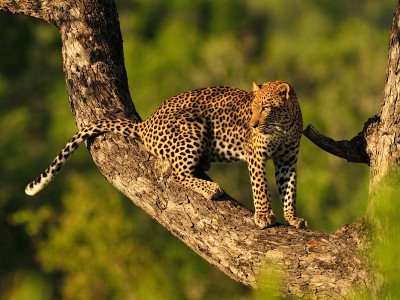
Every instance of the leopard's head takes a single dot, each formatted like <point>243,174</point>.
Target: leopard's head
<point>274,106</point>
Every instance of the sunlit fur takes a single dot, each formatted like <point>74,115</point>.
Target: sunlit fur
<point>216,124</point>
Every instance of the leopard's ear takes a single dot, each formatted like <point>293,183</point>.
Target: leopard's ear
<point>256,87</point>
<point>284,90</point>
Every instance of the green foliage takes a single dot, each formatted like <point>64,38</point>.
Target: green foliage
<point>80,238</point>
<point>385,224</point>
<point>111,264</point>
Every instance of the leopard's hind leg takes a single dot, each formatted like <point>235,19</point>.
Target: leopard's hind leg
<point>191,142</point>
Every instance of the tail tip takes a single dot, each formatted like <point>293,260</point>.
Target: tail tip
<point>30,189</point>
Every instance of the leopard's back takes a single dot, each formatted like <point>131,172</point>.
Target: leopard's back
<point>221,114</point>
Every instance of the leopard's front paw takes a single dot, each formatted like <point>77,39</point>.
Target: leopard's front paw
<point>264,220</point>
<point>298,222</point>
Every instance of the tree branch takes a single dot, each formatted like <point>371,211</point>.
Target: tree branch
<point>223,232</point>
<point>383,136</point>
<point>352,151</point>
<point>49,11</point>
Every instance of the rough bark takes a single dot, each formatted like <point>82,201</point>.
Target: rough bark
<point>312,264</point>
<point>383,134</point>
<point>378,145</point>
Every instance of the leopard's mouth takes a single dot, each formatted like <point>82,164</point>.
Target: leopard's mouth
<point>270,128</point>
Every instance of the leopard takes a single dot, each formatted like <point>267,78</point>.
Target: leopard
<point>216,124</point>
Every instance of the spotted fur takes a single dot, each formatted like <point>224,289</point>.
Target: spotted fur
<point>216,124</point>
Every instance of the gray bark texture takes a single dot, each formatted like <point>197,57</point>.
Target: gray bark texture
<point>311,264</point>
<point>382,132</point>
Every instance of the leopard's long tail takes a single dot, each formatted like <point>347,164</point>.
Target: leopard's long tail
<point>121,126</point>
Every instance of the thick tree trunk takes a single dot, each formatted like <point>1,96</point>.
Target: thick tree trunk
<point>312,264</point>
<point>383,131</point>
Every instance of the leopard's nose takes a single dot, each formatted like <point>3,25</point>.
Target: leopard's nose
<point>253,123</point>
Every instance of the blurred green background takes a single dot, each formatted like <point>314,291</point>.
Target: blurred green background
<point>80,238</point>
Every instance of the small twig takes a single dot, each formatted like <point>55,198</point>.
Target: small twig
<point>352,151</point>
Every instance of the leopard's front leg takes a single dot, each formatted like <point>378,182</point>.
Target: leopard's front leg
<point>285,174</point>
<point>264,216</point>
